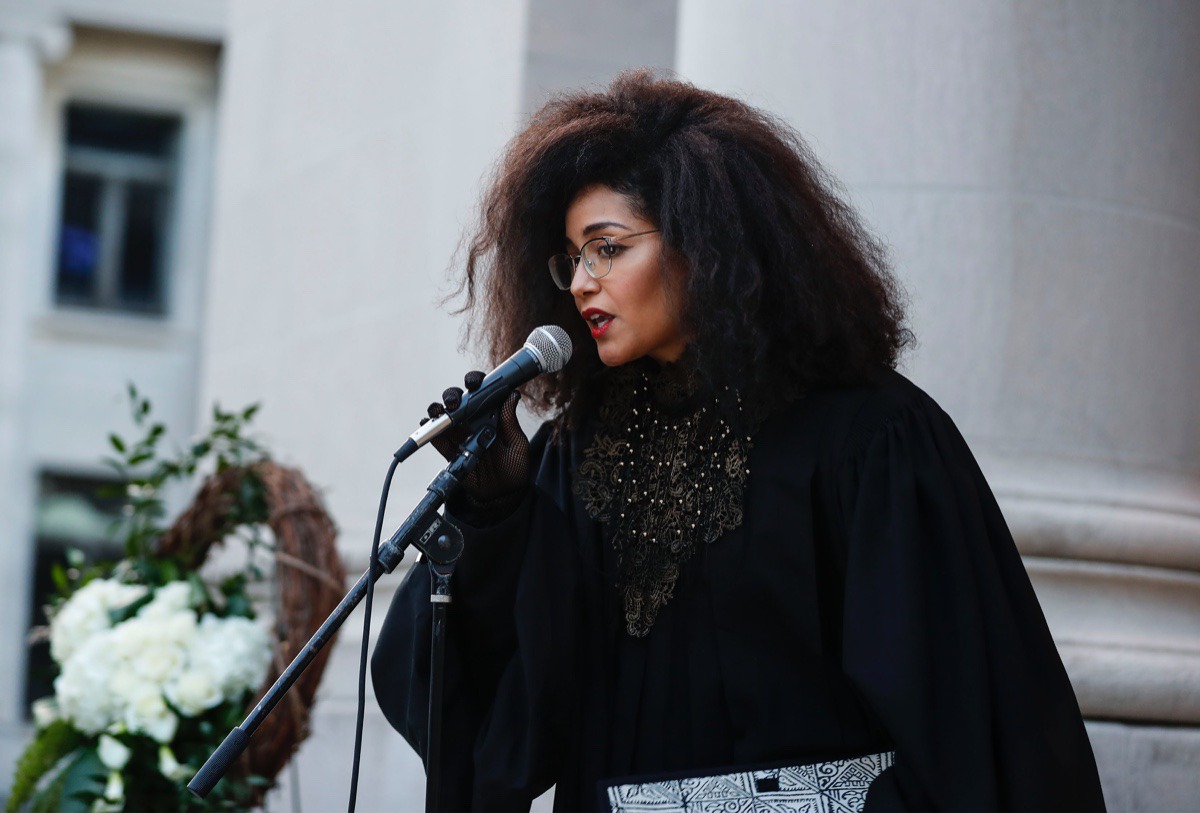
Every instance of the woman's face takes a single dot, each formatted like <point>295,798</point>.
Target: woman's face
<point>637,311</point>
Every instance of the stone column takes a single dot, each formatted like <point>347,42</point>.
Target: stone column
<point>20,95</point>
<point>20,100</point>
<point>1034,167</point>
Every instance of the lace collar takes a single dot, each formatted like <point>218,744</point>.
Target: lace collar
<point>665,473</point>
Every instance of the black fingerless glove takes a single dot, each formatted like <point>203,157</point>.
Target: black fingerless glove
<point>498,483</point>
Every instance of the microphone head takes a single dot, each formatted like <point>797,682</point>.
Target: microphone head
<point>552,346</point>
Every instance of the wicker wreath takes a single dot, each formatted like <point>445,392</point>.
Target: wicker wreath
<point>310,581</point>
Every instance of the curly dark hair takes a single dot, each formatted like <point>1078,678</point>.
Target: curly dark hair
<point>792,291</point>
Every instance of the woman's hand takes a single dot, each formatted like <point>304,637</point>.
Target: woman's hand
<point>497,483</point>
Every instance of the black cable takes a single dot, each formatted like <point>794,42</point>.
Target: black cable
<point>372,566</point>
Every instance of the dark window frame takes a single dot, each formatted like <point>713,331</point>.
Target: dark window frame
<point>39,668</point>
<point>142,175</point>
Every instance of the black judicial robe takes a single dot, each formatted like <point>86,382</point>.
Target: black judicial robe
<point>871,600</point>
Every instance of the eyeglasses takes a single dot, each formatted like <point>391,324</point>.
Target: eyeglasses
<point>598,255</point>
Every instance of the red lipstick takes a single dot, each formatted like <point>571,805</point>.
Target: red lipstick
<point>598,321</point>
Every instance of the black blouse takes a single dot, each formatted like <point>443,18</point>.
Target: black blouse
<point>871,599</point>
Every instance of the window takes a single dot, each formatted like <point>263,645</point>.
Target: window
<point>71,514</point>
<point>116,203</point>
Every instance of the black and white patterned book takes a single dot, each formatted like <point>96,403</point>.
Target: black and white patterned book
<point>836,786</point>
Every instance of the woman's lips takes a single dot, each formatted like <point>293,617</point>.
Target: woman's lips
<point>598,321</point>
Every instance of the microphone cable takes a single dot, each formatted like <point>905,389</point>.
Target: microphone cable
<point>547,349</point>
<point>373,565</point>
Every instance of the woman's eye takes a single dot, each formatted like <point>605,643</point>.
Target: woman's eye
<point>610,250</point>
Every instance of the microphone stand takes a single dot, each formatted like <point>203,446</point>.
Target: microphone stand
<point>441,544</point>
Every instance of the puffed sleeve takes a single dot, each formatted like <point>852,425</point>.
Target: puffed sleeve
<point>504,670</point>
<point>942,633</point>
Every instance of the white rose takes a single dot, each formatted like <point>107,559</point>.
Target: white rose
<point>236,651</point>
<point>133,636</point>
<point>163,727</point>
<point>178,628</point>
<point>86,613</point>
<point>114,791</point>
<point>169,767</point>
<point>194,692</point>
<point>83,689</point>
<point>170,598</point>
<point>45,711</point>
<point>160,663</point>
<point>127,685</point>
<point>113,753</point>
<point>146,711</point>
<point>154,647</point>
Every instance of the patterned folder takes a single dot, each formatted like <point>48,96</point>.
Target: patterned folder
<point>838,786</point>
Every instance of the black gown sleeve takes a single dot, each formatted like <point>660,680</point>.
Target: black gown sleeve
<point>505,664</point>
<point>943,635</point>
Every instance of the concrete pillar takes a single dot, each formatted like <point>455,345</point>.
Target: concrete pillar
<point>1034,168</point>
<point>20,98</point>
<point>20,94</point>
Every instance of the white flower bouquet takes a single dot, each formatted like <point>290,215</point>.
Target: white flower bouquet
<point>146,672</point>
<point>154,665</point>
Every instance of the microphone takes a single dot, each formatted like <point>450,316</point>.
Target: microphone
<point>547,350</point>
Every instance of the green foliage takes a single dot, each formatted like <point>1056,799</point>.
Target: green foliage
<point>81,784</point>
<point>146,469</point>
<point>60,770</point>
<point>50,745</point>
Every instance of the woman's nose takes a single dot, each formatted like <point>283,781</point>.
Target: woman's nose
<point>581,280</point>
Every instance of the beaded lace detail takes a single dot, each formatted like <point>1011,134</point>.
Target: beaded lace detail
<point>665,473</point>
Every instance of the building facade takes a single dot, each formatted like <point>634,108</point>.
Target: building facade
<point>238,202</point>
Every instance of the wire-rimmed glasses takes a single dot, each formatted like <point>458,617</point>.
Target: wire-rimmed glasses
<point>597,255</point>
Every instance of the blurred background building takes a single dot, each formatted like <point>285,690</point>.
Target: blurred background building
<point>235,201</point>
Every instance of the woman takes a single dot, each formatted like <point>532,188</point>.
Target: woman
<point>742,540</point>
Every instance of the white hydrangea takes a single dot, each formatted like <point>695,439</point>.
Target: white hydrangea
<point>235,651</point>
<point>82,689</point>
<point>145,709</point>
<point>125,675</point>
<point>194,692</point>
<point>155,646</point>
<point>168,599</point>
<point>86,612</point>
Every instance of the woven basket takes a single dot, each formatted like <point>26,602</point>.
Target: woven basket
<point>310,581</point>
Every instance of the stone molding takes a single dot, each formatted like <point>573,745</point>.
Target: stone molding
<point>1128,632</point>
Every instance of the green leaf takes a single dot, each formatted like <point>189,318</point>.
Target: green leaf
<point>199,591</point>
<point>249,411</point>
<point>239,604</point>
<point>111,491</point>
<point>116,442</point>
<point>170,571</point>
<point>129,610</point>
<point>50,745</point>
<point>141,457</point>
<point>83,783</point>
<point>58,574</point>
<point>234,584</point>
